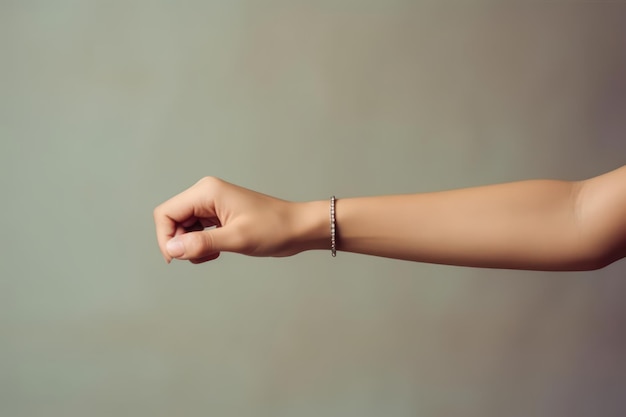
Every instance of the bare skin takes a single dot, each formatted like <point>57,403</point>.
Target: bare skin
<point>536,224</point>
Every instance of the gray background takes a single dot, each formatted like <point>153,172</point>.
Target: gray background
<point>107,108</point>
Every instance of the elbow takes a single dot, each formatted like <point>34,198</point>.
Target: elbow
<point>599,227</point>
<point>599,259</point>
<point>596,254</point>
<point>594,264</point>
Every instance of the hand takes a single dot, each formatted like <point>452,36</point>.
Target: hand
<point>214,216</point>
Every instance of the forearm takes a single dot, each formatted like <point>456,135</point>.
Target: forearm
<point>522,225</point>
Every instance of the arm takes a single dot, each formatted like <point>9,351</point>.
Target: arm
<point>539,224</point>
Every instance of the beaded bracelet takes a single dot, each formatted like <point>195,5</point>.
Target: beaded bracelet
<point>333,228</point>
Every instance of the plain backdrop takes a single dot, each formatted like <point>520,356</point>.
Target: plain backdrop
<point>107,108</point>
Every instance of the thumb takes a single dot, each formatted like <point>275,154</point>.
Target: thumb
<point>195,245</point>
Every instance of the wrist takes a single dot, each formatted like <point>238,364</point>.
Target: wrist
<point>310,225</point>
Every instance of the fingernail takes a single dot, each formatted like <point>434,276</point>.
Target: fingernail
<point>175,247</point>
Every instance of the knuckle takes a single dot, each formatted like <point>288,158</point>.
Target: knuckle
<point>206,242</point>
<point>210,186</point>
<point>209,181</point>
<point>213,183</point>
<point>156,213</point>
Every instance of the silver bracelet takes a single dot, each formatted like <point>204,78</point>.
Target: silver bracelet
<point>333,228</point>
